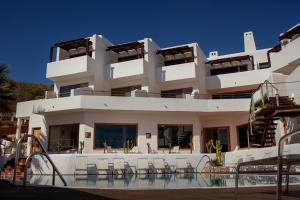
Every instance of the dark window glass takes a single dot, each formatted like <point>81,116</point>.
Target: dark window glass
<point>124,91</point>
<point>114,135</point>
<point>236,95</point>
<point>174,135</point>
<point>228,70</point>
<point>178,93</point>
<point>264,65</point>
<point>65,91</point>
<point>243,136</point>
<point>217,134</point>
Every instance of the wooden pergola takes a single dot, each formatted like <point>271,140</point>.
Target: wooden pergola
<point>126,47</point>
<point>230,59</point>
<point>72,44</point>
<point>172,52</point>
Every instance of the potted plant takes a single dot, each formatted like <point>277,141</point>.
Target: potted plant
<point>149,148</point>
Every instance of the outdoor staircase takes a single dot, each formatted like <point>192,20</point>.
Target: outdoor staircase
<point>265,111</point>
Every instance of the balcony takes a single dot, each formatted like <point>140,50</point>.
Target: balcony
<point>176,72</point>
<point>73,67</point>
<point>235,80</point>
<point>130,69</point>
<point>284,59</point>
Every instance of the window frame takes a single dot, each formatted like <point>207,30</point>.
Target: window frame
<point>204,137</point>
<point>102,148</point>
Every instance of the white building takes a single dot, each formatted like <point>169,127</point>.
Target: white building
<point>141,94</point>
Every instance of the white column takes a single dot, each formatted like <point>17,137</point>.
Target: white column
<point>18,131</point>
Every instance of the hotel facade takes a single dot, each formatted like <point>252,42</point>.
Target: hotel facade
<point>140,98</point>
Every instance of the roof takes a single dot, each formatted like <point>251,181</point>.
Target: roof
<point>290,33</point>
<point>175,50</point>
<point>125,47</point>
<point>73,44</point>
<point>229,59</point>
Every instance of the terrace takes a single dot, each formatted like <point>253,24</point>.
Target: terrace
<point>73,59</point>
<point>178,64</point>
<point>127,60</point>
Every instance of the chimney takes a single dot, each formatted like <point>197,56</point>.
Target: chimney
<point>249,43</point>
<point>213,54</point>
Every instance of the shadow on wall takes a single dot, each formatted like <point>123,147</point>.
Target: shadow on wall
<point>293,124</point>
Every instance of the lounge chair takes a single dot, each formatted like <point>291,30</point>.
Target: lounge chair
<point>142,166</point>
<point>119,166</point>
<point>109,150</point>
<point>182,165</point>
<point>175,149</point>
<point>81,167</point>
<point>134,150</point>
<point>160,166</point>
<point>103,167</point>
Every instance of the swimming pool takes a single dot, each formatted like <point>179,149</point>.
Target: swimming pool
<point>158,181</point>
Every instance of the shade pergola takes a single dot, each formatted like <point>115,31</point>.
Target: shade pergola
<point>230,59</point>
<point>126,47</point>
<point>289,34</point>
<point>72,44</point>
<point>175,51</point>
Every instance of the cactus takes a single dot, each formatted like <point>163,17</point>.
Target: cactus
<point>105,146</point>
<point>149,147</point>
<point>81,146</point>
<point>217,147</point>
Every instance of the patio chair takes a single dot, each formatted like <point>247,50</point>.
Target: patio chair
<point>103,167</point>
<point>119,166</point>
<point>81,166</point>
<point>142,166</point>
<point>182,165</point>
<point>109,150</point>
<point>160,166</point>
<point>175,149</point>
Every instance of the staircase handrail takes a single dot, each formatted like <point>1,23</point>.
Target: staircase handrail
<point>42,152</point>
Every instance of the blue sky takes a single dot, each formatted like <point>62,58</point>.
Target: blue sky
<point>29,28</point>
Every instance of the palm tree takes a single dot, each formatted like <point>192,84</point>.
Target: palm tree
<point>7,86</point>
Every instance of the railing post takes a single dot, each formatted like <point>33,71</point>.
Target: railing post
<point>262,96</point>
<point>53,176</point>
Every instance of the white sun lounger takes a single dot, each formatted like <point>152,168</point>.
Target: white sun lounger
<point>119,166</point>
<point>142,166</point>
<point>81,167</point>
<point>103,167</point>
<point>159,165</point>
<point>182,165</point>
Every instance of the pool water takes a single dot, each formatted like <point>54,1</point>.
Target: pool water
<point>157,181</point>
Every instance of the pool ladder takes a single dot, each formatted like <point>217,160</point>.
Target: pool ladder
<point>204,156</point>
<point>43,152</point>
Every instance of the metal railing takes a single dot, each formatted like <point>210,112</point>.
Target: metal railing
<point>204,156</point>
<point>43,152</point>
<point>260,98</point>
<point>279,164</point>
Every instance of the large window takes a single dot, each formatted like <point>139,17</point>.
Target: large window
<point>221,134</point>
<point>63,137</point>
<point>243,135</point>
<point>174,135</point>
<point>114,135</point>
<point>65,91</point>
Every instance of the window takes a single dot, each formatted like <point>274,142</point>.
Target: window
<point>235,95</point>
<point>65,91</point>
<point>242,132</point>
<point>178,93</point>
<point>174,135</point>
<point>124,91</point>
<point>114,135</point>
<point>63,137</point>
<point>228,70</point>
<point>220,133</point>
<point>264,65</point>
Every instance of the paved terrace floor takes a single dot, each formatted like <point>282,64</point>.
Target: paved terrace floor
<point>8,192</point>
